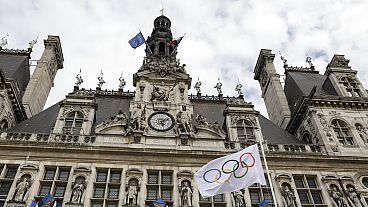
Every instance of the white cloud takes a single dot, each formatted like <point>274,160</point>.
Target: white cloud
<point>223,38</point>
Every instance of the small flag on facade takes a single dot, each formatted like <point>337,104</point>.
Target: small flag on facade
<point>231,173</point>
<point>159,203</point>
<point>137,41</point>
<point>175,41</point>
<point>263,203</point>
<point>33,204</point>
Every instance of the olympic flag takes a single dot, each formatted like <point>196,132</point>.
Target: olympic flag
<point>231,173</point>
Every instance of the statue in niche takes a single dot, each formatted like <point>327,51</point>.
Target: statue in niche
<point>354,197</point>
<point>336,196</point>
<point>139,118</point>
<point>184,121</point>
<point>218,86</point>
<point>161,94</point>
<point>362,132</point>
<point>238,197</point>
<point>132,192</point>
<point>78,190</point>
<point>198,85</point>
<point>22,189</point>
<point>288,196</point>
<point>186,194</point>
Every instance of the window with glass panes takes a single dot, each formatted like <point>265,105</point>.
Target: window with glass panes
<point>54,181</point>
<point>217,201</point>
<point>351,86</point>
<point>342,132</point>
<point>160,184</point>
<point>7,175</point>
<point>258,193</point>
<point>106,187</point>
<point>309,192</point>
<point>73,122</point>
<point>245,131</point>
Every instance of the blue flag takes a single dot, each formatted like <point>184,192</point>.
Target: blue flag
<point>137,41</point>
<point>159,203</point>
<point>47,201</point>
<point>263,203</point>
<point>33,204</point>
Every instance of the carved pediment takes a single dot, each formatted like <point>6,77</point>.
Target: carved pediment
<point>29,166</point>
<point>208,131</point>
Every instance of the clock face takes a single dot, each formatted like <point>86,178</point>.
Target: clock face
<point>161,121</point>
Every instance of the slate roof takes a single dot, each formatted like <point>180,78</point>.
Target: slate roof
<point>300,83</point>
<point>44,121</point>
<point>16,67</point>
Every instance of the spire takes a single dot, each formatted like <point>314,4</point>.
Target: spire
<point>160,40</point>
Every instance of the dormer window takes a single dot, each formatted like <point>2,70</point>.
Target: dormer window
<point>351,86</point>
<point>245,131</point>
<point>73,123</point>
<point>342,132</point>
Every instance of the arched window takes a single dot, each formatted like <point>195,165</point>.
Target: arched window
<point>4,125</point>
<point>73,122</point>
<point>307,138</point>
<point>245,130</point>
<point>342,132</point>
<point>161,48</point>
<point>351,86</point>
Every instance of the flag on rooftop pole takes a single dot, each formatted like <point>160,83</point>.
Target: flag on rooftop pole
<point>231,173</point>
<point>176,41</point>
<point>137,40</point>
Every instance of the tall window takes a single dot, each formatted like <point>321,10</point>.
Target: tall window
<point>55,180</point>
<point>351,86</point>
<point>342,132</point>
<point>308,190</point>
<point>107,187</point>
<point>73,123</point>
<point>160,184</point>
<point>258,193</point>
<point>7,174</point>
<point>245,131</point>
<point>217,201</point>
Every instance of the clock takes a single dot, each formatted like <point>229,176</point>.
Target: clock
<point>161,121</point>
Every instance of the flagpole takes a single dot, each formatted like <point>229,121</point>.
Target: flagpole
<point>176,46</point>
<point>146,44</point>
<point>268,173</point>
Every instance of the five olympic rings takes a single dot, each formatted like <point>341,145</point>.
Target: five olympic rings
<point>230,167</point>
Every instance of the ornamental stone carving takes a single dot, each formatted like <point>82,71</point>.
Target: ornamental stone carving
<point>336,196</point>
<point>79,185</point>
<point>353,196</point>
<point>21,191</point>
<point>163,66</point>
<point>160,93</point>
<point>186,194</point>
<point>324,124</point>
<point>238,198</point>
<point>288,196</point>
<point>235,118</point>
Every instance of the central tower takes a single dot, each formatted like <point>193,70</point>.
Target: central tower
<point>161,106</point>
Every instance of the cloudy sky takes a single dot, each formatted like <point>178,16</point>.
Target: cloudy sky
<point>223,37</point>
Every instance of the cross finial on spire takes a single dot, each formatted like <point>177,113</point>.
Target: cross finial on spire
<point>162,10</point>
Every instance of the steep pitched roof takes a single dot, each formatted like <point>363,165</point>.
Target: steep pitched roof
<point>15,67</point>
<point>299,84</point>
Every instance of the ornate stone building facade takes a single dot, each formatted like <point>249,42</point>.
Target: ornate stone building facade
<point>106,148</point>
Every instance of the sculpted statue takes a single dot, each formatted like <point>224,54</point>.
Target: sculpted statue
<point>197,86</point>
<point>160,94</point>
<point>132,192</point>
<point>122,82</point>
<point>79,79</point>
<point>238,199</point>
<point>184,120</point>
<point>238,89</point>
<point>288,196</point>
<point>186,195</point>
<point>138,121</point>
<point>336,196</point>
<point>201,120</point>
<point>218,86</point>
<point>121,117</point>
<point>354,197</point>
<point>21,190</point>
<point>362,132</point>
<point>101,81</point>
<point>78,190</point>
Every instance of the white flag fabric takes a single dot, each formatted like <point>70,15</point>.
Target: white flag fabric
<point>230,173</point>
